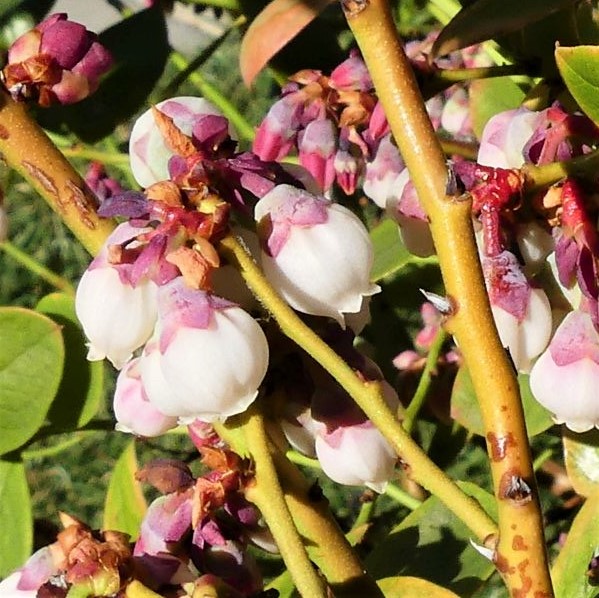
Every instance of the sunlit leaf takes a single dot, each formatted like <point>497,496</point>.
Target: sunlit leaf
<point>272,29</point>
<point>465,409</point>
<point>484,19</point>
<point>16,521</point>
<point>390,254</point>
<point>581,452</point>
<point>82,387</point>
<point>579,68</point>
<point>31,363</point>
<point>433,544</point>
<point>489,97</point>
<point>569,572</point>
<point>412,587</point>
<point>125,504</point>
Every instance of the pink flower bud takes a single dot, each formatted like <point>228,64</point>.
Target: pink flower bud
<point>276,134</point>
<point>207,358</point>
<point>132,409</point>
<point>505,136</point>
<point>566,376</point>
<point>317,148</point>
<point>117,316</point>
<point>347,171</point>
<point>317,254</point>
<point>149,153</point>
<point>522,314</point>
<point>59,60</point>
<point>351,74</point>
<point>455,117</point>
<point>382,172</point>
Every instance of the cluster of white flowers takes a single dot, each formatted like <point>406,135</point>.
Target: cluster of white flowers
<point>188,353</point>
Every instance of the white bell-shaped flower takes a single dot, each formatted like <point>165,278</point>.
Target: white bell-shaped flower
<point>148,152</point>
<point>317,254</point>
<point>133,411</point>
<point>207,358</point>
<point>356,455</point>
<point>117,316</point>
<point>565,378</point>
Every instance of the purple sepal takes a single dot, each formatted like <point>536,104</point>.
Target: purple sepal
<point>507,286</point>
<point>129,204</point>
<point>575,339</point>
<point>181,306</point>
<point>302,209</point>
<point>209,132</point>
<point>587,273</point>
<point>208,532</point>
<point>566,258</point>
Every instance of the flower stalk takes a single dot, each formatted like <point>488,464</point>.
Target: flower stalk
<point>267,494</point>
<point>367,395</point>
<point>27,149</point>
<point>520,554</point>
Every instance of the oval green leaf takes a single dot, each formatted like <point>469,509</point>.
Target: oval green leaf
<point>412,587</point>
<point>465,409</point>
<point>31,363</point>
<point>489,97</point>
<point>581,455</point>
<point>579,68</point>
<point>16,520</point>
<point>569,572</point>
<point>432,544</point>
<point>125,504</point>
<point>81,390</point>
<point>485,19</point>
<point>390,254</point>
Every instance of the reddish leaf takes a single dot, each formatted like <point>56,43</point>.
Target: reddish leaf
<point>276,25</point>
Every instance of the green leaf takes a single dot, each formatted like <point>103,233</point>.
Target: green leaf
<point>485,19</point>
<point>579,68</point>
<point>82,387</point>
<point>125,505</point>
<point>16,521</point>
<point>412,587</point>
<point>31,363</point>
<point>390,254</point>
<point>581,452</point>
<point>489,97</point>
<point>570,568</point>
<point>465,409</point>
<point>431,543</point>
<point>139,46</point>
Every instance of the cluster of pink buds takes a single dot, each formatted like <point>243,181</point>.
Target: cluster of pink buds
<point>152,301</point>
<point>340,132</point>
<point>193,536</point>
<point>59,61</point>
<point>81,562</point>
<point>201,525</point>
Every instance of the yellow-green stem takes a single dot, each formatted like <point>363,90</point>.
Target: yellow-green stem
<point>266,493</point>
<point>61,283</point>
<point>520,553</point>
<point>425,381</point>
<point>539,177</point>
<point>367,395</point>
<point>27,149</point>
